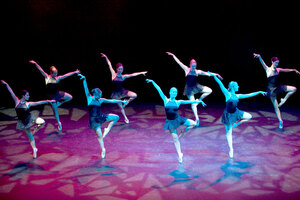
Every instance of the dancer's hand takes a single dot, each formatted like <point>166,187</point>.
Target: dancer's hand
<point>3,82</point>
<point>170,54</point>
<point>210,74</point>
<point>202,103</point>
<point>149,81</point>
<point>77,71</point>
<point>263,93</point>
<point>51,101</point>
<point>144,73</point>
<point>219,76</point>
<point>32,62</point>
<point>297,72</point>
<point>81,76</point>
<point>256,55</point>
<point>103,55</point>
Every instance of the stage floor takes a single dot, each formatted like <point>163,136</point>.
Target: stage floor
<point>141,160</point>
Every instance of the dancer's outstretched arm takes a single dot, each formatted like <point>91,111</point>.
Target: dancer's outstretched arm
<point>86,89</point>
<point>244,96</point>
<point>191,101</point>
<point>112,100</point>
<point>36,103</point>
<point>288,70</point>
<point>204,73</point>
<point>68,75</point>
<point>223,88</point>
<point>39,68</point>
<point>162,95</point>
<point>185,68</point>
<point>261,61</point>
<point>15,98</point>
<point>112,71</point>
<point>135,74</point>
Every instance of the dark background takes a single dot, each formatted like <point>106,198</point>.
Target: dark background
<point>220,35</point>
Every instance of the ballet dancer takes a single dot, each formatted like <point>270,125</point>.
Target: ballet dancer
<point>274,86</point>
<point>26,120</point>
<point>192,87</point>
<point>174,120</point>
<point>232,116</point>
<point>53,93</point>
<point>96,117</point>
<point>119,92</point>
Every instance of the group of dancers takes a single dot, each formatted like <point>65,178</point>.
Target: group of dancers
<point>231,118</point>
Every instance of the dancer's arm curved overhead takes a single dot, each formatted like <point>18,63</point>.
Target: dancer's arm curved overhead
<point>67,75</point>
<point>15,98</point>
<point>261,61</point>
<point>162,95</point>
<point>86,89</point>
<point>39,68</point>
<point>185,68</point>
<point>112,71</point>
<point>223,88</point>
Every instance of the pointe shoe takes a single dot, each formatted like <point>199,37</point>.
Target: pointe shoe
<point>197,122</point>
<point>59,127</point>
<point>231,154</point>
<point>280,125</point>
<point>180,156</point>
<point>103,153</point>
<point>35,152</point>
<point>126,121</point>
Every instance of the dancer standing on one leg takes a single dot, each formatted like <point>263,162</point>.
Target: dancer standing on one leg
<point>192,87</point>
<point>174,120</point>
<point>25,119</point>
<point>119,92</point>
<point>275,87</point>
<point>53,93</point>
<point>232,116</point>
<point>96,117</point>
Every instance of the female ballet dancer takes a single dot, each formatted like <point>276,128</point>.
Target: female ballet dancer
<point>275,87</point>
<point>119,92</point>
<point>192,87</point>
<point>25,119</point>
<point>96,117</point>
<point>232,116</point>
<point>174,120</point>
<point>53,93</point>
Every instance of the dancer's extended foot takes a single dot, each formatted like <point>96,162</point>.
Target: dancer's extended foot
<point>282,101</point>
<point>180,156</point>
<point>231,153</point>
<point>126,121</point>
<point>103,153</point>
<point>280,125</point>
<point>197,122</point>
<point>35,152</point>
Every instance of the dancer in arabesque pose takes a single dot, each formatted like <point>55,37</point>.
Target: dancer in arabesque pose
<point>53,92</point>
<point>96,116</point>
<point>192,87</point>
<point>232,116</point>
<point>274,85</point>
<point>26,120</point>
<point>174,120</point>
<point>119,92</point>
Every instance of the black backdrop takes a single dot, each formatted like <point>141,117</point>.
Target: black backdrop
<point>220,35</point>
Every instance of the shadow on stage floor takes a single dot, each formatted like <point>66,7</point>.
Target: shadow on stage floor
<point>141,161</point>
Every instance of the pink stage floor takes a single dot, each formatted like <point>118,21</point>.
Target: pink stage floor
<point>141,161</point>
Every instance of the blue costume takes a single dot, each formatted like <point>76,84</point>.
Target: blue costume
<point>96,117</point>
<point>231,113</point>
<point>174,120</point>
<point>274,86</point>
<point>25,118</point>
<point>118,91</point>
<point>52,90</point>
<point>191,86</point>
